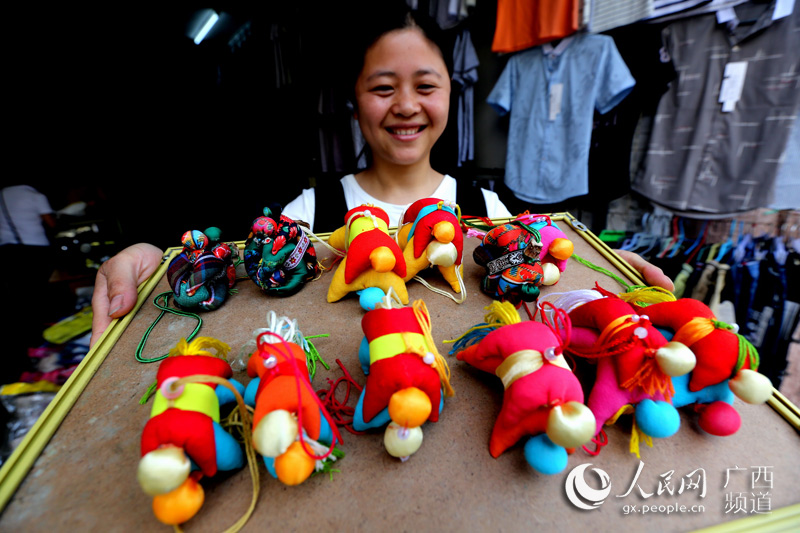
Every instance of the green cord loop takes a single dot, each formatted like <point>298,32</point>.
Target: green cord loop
<point>596,268</point>
<point>165,309</point>
<point>313,355</point>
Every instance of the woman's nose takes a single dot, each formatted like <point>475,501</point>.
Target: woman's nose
<point>406,104</point>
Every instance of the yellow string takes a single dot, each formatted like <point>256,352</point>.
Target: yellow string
<point>643,296</point>
<point>502,312</point>
<point>196,347</point>
<point>440,364</point>
<point>694,330</point>
<point>247,433</point>
<point>636,436</point>
<point>614,327</point>
<point>624,410</point>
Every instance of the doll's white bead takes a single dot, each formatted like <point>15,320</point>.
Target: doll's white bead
<point>402,446</point>
<point>168,389</point>
<point>270,361</point>
<point>550,353</point>
<point>429,358</point>
<point>640,332</point>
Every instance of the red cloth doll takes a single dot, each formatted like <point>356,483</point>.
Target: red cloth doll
<point>634,366</point>
<point>542,398</point>
<point>726,364</point>
<point>372,257</point>
<point>430,235</point>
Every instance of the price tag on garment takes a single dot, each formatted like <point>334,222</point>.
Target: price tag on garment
<point>556,95</point>
<point>726,14</point>
<point>783,8</point>
<point>732,84</point>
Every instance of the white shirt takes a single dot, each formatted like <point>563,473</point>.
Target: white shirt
<point>25,206</point>
<point>304,206</point>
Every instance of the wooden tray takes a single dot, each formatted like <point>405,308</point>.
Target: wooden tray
<point>76,469</point>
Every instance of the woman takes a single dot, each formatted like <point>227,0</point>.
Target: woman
<point>401,96</point>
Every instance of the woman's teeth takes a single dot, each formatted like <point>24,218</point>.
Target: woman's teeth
<point>405,131</point>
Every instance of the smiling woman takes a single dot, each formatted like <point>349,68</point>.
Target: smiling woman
<point>400,91</point>
<point>402,103</point>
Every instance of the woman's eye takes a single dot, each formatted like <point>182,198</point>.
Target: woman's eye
<point>424,87</point>
<point>382,89</point>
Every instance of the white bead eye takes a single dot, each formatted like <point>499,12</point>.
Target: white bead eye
<point>640,332</point>
<point>270,361</point>
<point>429,358</point>
<point>550,353</point>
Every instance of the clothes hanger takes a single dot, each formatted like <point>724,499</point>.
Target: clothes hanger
<point>727,245</point>
<point>701,237</point>
<point>674,239</point>
<point>682,237</point>
<point>633,242</point>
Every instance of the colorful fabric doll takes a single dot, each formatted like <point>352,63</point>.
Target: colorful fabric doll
<point>184,431</point>
<point>556,246</point>
<point>634,365</point>
<point>430,235</point>
<point>278,255</point>
<point>292,430</point>
<point>511,254</point>
<point>202,273</point>
<point>726,364</point>
<point>542,398</point>
<point>407,379</point>
<point>372,257</point>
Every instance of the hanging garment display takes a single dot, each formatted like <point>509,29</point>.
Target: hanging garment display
<point>720,130</point>
<point>525,23</point>
<point>551,93</point>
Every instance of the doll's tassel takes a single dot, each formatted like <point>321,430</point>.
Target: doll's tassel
<point>440,364</point>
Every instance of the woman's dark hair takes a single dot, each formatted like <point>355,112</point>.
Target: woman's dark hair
<point>373,19</point>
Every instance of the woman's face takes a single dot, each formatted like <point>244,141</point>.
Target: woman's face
<point>403,97</point>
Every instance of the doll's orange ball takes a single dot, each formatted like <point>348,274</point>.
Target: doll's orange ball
<point>179,505</point>
<point>382,259</point>
<point>561,248</point>
<point>409,407</point>
<point>444,231</point>
<point>294,465</point>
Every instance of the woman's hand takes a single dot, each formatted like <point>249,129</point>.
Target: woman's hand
<point>115,287</point>
<point>652,275</point>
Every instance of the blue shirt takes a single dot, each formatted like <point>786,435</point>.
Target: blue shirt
<point>547,157</point>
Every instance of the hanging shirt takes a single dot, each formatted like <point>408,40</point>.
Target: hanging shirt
<point>609,14</point>
<point>551,94</point>
<point>721,128</point>
<point>24,207</point>
<point>465,73</point>
<point>786,194</point>
<point>525,23</point>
